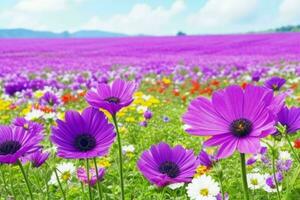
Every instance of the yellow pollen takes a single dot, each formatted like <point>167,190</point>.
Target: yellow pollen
<point>66,176</point>
<point>254,182</point>
<point>204,192</point>
<point>26,126</point>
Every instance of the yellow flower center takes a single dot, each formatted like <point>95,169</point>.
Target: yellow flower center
<point>66,176</point>
<point>254,182</point>
<point>204,192</point>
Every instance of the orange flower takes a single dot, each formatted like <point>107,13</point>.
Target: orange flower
<point>176,92</point>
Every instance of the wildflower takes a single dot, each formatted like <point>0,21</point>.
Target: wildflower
<point>65,172</point>
<point>112,98</point>
<point>275,83</point>
<point>255,180</point>
<point>203,188</point>
<point>235,118</point>
<point>148,114</point>
<point>16,143</point>
<point>87,135</point>
<point>290,118</point>
<point>163,165</point>
<point>93,178</point>
<point>38,158</point>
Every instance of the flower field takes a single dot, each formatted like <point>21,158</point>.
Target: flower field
<point>193,117</point>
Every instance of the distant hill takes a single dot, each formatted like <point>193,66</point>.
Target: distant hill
<point>27,33</point>
<point>287,29</point>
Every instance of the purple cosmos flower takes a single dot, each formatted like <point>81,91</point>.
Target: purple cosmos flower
<point>235,118</point>
<point>148,114</point>
<point>163,165</point>
<point>28,125</point>
<point>38,158</point>
<point>49,99</point>
<point>87,135</point>
<point>290,117</point>
<point>255,76</point>
<point>82,175</point>
<point>275,83</point>
<point>205,159</point>
<point>112,98</point>
<point>15,143</point>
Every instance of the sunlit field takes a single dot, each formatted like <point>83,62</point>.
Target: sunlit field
<point>146,118</point>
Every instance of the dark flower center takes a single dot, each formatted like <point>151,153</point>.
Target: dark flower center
<point>275,87</point>
<point>115,100</point>
<point>9,147</point>
<point>169,168</point>
<point>85,142</point>
<point>241,127</point>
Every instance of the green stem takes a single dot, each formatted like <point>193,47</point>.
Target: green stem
<point>88,177</point>
<point>292,148</point>
<point>59,184</point>
<point>98,181</point>
<point>244,176</point>
<point>221,186</point>
<point>114,117</point>
<point>274,173</point>
<point>47,186</point>
<point>26,179</point>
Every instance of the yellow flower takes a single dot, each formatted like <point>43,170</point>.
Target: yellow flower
<point>61,115</point>
<point>165,80</point>
<point>130,119</point>
<point>26,110</point>
<point>201,169</point>
<point>4,105</point>
<point>123,130</point>
<point>38,94</point>
<point>104,162</point>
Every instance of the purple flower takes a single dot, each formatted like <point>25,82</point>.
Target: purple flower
<point>49,99</point>
<point>163,165</point>
<point>205,159</point>
<point>271,182</point>
<point>38,158</point>
<point>255,76</point>
<point>148,114</point>
<point>275,83</point>
<point>166,119</point>
<point>143,124</point>
<point>284,165</point>
<point>261,155</point>
<point>235,118</point>
<point>16,143</point>
<point>87,135</point>
<point>290,117</point>
<point>28,125</point>
<point>82,175</point>
<point>219,196</point>
<point>112,98</point>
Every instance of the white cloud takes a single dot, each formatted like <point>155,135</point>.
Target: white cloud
<point>219,13</point>
<point>289,11</point>
<point>40,5</point>
<point>142,18</point>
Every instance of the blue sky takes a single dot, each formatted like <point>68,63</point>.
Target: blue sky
<point>155,17</point>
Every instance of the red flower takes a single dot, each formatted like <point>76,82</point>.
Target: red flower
<point>297,143</point>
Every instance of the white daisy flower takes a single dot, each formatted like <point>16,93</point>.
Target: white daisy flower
<point>175,186</point>
<point>34,114</point>
<point>203,188</point>
<point>64,171</point>
<point>284,156</point>
<point>128,149</point>
<point>255,181</point>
